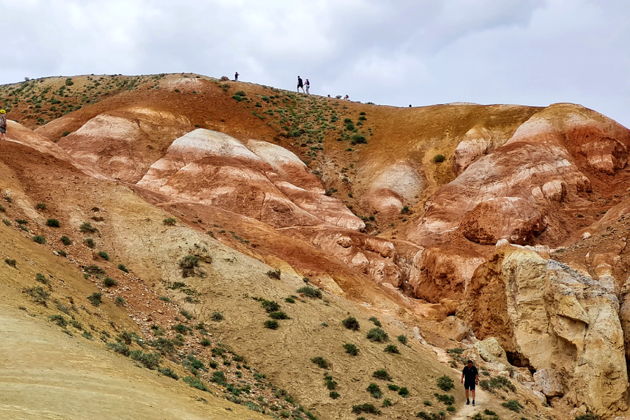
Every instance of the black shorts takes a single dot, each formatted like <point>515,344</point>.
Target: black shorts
<point>469,385</point>
<point>3,130</point>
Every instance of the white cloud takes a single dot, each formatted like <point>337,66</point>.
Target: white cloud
<point>397,52</point>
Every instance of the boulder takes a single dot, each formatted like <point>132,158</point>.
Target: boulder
<point>491,351</point>
<point>548,382</point>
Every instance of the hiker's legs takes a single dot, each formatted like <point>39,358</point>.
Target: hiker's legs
<point>466,394</point>
<point>472,391</point>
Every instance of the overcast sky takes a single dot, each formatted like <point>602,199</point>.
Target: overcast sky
<point>396,52</point>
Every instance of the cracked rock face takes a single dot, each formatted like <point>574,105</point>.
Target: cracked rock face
<point>563,324</point>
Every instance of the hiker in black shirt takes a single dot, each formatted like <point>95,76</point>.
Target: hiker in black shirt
<point>470,378</point>
<point>300,84</point>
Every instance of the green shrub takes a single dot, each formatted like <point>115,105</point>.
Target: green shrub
<point>330,382</point>
<point>188,265</point>
<point>310,292</point>
<point>272,324</point>
<point>365,408</point>
<point>444,398</point>
<point>321,362</point>
<point>358,139</point>
<point>205,342</point>
<point>375,321</point>
<point>402,339</point>
<point>193,363</point>
<point>439,158</point>
<point>186,314</point>
<point>59,320</point>
<point>104,255</point>
<point>403,392</point>
<point>279,315</point>
<point>289,300</point>
<point>41,278</point>
<point>512,405</point>
<point>89,242</point>
<point>274,274</point>
<point>38,294</point>
<point>119,348</point>
<point>122,267</point>
<point>195,383</point>
<point>387,402</point>
<point>217,316</point>
<point>10,262</point>
<point>391,348</point>
<point>445,383</point>
<point>120,301</point>
<point>87,228</point>
<point>65,240</point>
<point>148,360</point>
<point>39,239</point>
<point>351,323</point>
<point>377,335</point>
<point>382,374</point>
<point>168,372</point>
<point>95,298</point>
<point>334,395</point>
<point>169,221</point>
<point>53,223</point>
<point>181,328</point>
<point>218,377</point>
<point>497,382</point>
<point>374,390</point>
<point>351,349</point>
<point>270,305</point>
<point>109,282</point>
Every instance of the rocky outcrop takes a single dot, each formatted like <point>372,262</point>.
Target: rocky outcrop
<point>256,179</point>
<point>563,324</point>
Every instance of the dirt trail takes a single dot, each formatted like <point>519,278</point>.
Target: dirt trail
<point>467,411</point>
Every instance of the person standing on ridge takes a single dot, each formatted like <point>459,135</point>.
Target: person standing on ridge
<point>470,378</point>
<point>308,86</point>
<point>3,123</point>
<point>300,85</point>
<point>236,77</point>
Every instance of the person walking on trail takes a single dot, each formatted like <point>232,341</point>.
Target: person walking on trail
<point>236,77</point>
<point>300,85</point>
<point>3,123</point>
<point>470,378</point>
<point>308,86</point>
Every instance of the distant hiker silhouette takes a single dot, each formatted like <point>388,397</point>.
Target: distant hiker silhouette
<point>308,86</point>
<point>347,98</point>
<point>300,85</point>
<point>3,123</point>
<point>236,77</point>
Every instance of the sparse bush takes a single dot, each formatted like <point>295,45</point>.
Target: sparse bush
<point>393,387</point>
<point>272,324</point>
<point>358,139</point>
<point>330,382</point>
<point>382,374</point>
<point>405,210</point>
<point>121,348</point>
<point>219,377</point>
<point>40,206</point>
<point>439,158</point>
<point>217,316</point>
<point>87,228</point>
<point>274,274</point>
<point>194,364</point>
<point>374,390</point>
<point>95,298</point>
<point>321,362</point>
<point>377,335</point>
<point>351,323</point>
<point>148,360</point>
<point>168,372</point>
<point>445,399</point>
<point>59,320</point>
<point>351,349</point>
<point>186,314</point>
<point>109,282</point>
<point>289,300</point>
<point>365,408</point>
<point>122,267</point>
<point>334,395</point>
<point>89,242</point>
<point>38,294</point>
<point>445,383</point>
<point>512,405</point>
<point>10,262</point>
<point>403,392</point>
<point>311,292</point>
<point>53,223</point>
<point>497,382</point>
<point>278,315</point>
<point>402,339</point>
<point>391,348</point>
<point>169,221</point>
<point>195,383</point>
<point>270,305</point>
<point>181,328</point>
<point>104,255</point>
<point>387,402</point>
<point>120,301</point>
<point>188,265</point>
<point>39,239</point>
<point>375,321</point>
<point>65,240</point>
